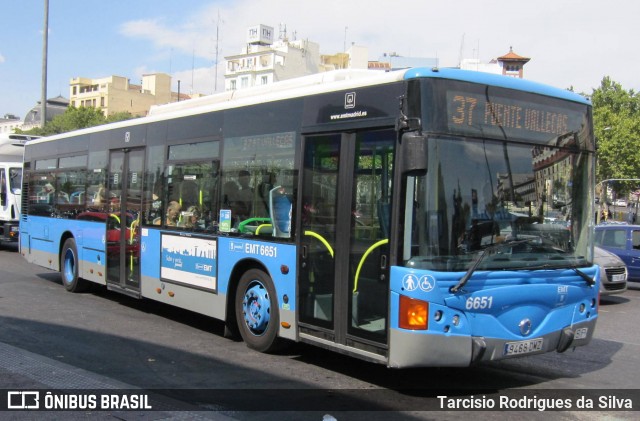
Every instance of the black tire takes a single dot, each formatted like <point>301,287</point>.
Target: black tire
<point>69,267</point>
<point>256,309</point>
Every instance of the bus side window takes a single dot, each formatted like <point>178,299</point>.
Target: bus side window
<point>193,186</point>
<point>41,194</point>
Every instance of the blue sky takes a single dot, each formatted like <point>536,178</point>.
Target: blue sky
<point>570,42</point>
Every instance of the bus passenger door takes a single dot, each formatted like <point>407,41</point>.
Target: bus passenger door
<point>124,198</point>
<point>343,263</point>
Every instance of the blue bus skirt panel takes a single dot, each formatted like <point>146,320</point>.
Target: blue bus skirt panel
<point>199,280</point>
<point>279,261</point>
<point>169,277</point>
<point>41,244</point>
<point>37,244</point>
<point>497,315</point>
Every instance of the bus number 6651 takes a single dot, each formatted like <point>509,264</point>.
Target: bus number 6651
<point>479,303</point>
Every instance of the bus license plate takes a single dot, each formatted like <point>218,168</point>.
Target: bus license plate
<point>523,347</point>
<point>581,333</point>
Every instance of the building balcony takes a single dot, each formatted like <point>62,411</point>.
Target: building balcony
<point>85,95</point>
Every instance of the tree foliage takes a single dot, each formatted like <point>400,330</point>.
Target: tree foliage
<point>77,118</point>
<point>616,117</point>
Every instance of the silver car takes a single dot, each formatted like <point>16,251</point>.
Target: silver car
<point>613,272</point>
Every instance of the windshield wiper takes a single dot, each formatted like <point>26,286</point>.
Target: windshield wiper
<point>489,250</point>
<point>480,257</point>
<point>589,280</point>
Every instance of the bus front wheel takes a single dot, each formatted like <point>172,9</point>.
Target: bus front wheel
<point>69,267</point>
<point>256,310</point>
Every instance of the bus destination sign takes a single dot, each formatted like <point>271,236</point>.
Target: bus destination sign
<point>474,114</point>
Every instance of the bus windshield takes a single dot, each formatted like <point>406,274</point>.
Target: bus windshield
<point>15,176</point>
<point>522,202</point>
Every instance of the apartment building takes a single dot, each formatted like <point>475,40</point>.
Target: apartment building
<point>265,60</point>
<point>9,123</point>
<point>115,94</point>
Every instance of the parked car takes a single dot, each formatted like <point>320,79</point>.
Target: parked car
<point>623,241</point>
<point>613,272</point>
<point>621,202</point>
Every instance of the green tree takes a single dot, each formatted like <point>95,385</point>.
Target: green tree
<point>616,117</point>
<point>119,116</point>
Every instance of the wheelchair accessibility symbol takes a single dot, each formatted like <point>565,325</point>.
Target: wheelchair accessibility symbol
<point>427,283</point>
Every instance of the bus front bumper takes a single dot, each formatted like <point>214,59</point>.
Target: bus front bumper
<point>412,349</point>
<point>10,232</point>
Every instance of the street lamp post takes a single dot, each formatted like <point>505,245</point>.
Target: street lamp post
<point>45,41</point>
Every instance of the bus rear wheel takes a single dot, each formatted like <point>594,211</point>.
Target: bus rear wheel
<point>69,267</point>
<point>256,310</point>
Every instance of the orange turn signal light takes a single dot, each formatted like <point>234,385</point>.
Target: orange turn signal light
<point>413,314</point>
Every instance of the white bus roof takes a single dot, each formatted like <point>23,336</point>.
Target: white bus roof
<point>291,88</point>
<point>315,84</point>
<point>12,147</point>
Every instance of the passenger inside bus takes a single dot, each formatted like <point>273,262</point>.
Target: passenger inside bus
<point>154,207</point>
<point>173,213</point>
<point>62,197</point>
<point>191,218</point>
<point>46,193</point>
<point>99,197</point>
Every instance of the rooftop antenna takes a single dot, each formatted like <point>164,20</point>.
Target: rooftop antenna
<point>344,45</point>
<point>215,78</point>
<point>193,65</point>
<point>461,51</point>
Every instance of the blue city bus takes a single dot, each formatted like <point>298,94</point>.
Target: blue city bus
<point>421,217</point>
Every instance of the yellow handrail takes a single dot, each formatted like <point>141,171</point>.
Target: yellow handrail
<point>116,217</point>
<point>364,256</point>
<point>262,226</point>
<point>322,240</point>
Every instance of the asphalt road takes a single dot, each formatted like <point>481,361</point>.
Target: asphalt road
<point>52,339</point>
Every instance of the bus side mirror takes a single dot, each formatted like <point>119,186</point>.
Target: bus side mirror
<point>414,154</point>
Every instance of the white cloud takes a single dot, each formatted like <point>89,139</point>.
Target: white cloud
<point>186,38</point>
<point>571,43</point>
<point>2,60</point>
<point>197,81</point>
